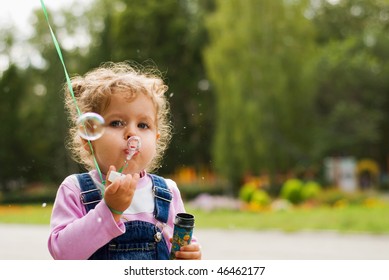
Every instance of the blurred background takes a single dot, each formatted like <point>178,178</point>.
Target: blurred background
<point>275,104</point>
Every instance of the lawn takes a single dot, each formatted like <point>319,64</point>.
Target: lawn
<point>25,214</point>
<point>344,219</point>
<point>348,219</point>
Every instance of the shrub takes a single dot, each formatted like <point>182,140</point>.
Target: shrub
<point>28,198</point>
<point>291,190</point>
<point>247,191</point>
<point>335,197</point>
<point>296,191</point>
<point>260,198</point>
<point>310,190</point>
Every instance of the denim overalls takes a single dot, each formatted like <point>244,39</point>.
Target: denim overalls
<point>141,240</point>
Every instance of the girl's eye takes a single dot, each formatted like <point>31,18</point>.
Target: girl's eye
<point>117,123</point>
<point>143,125</point>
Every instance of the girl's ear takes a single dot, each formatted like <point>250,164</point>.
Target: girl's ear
<point>157,136</point>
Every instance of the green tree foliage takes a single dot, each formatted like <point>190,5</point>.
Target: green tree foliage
<point>350,74</point>
<point>42,136</point>
<point>11,95</point>
<point>256,63</point>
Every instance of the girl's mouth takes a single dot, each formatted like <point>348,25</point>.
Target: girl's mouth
<point>131,152</point>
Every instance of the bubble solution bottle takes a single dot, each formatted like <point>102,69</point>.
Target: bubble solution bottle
<point>182,234</point>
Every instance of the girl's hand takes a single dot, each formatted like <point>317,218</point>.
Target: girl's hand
<point>189,252</point>
<point>118,194</point>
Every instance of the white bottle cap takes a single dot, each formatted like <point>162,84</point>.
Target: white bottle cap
<point>113,175</point>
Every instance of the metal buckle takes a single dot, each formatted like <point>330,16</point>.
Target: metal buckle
<point>89,191</point>
<point>160,197</point>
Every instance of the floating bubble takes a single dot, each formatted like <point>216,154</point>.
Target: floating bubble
<point>133,145</point>
<point>44,204</point>
<point>90,126</point>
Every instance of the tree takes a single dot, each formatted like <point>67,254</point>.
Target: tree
<point>351,78</point>
<point>11,152</point>
<point>263,99</point>
<point>42,111</point>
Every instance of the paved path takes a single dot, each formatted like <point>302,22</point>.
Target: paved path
<point>25,242</point>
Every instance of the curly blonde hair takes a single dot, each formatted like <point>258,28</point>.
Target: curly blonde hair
<point>92,93</point>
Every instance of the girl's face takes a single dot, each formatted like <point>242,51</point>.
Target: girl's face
<point>124,119</point>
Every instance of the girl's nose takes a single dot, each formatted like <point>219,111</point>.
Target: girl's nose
<point>130,131</point>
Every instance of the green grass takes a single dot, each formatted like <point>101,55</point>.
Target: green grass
<point>25,214</point>
<point>348,219</point>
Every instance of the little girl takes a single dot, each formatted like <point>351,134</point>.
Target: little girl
<point>131,217</point>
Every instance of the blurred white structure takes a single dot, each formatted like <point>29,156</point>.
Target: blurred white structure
<point>342,172</point>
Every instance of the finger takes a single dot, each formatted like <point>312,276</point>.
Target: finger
<point>135,179</point>
<point>192,255</point>
<point>112,188</point>
<point>189,252</point>
<point>190,248</point>
<point>130,181</point>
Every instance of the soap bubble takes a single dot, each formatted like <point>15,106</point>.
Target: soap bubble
<point>90,126</point>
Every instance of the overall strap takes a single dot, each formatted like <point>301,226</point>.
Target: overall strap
<point>90,194</point>
<point>162,198</point>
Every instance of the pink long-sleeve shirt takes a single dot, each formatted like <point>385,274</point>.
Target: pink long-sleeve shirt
<point>76,234</point>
